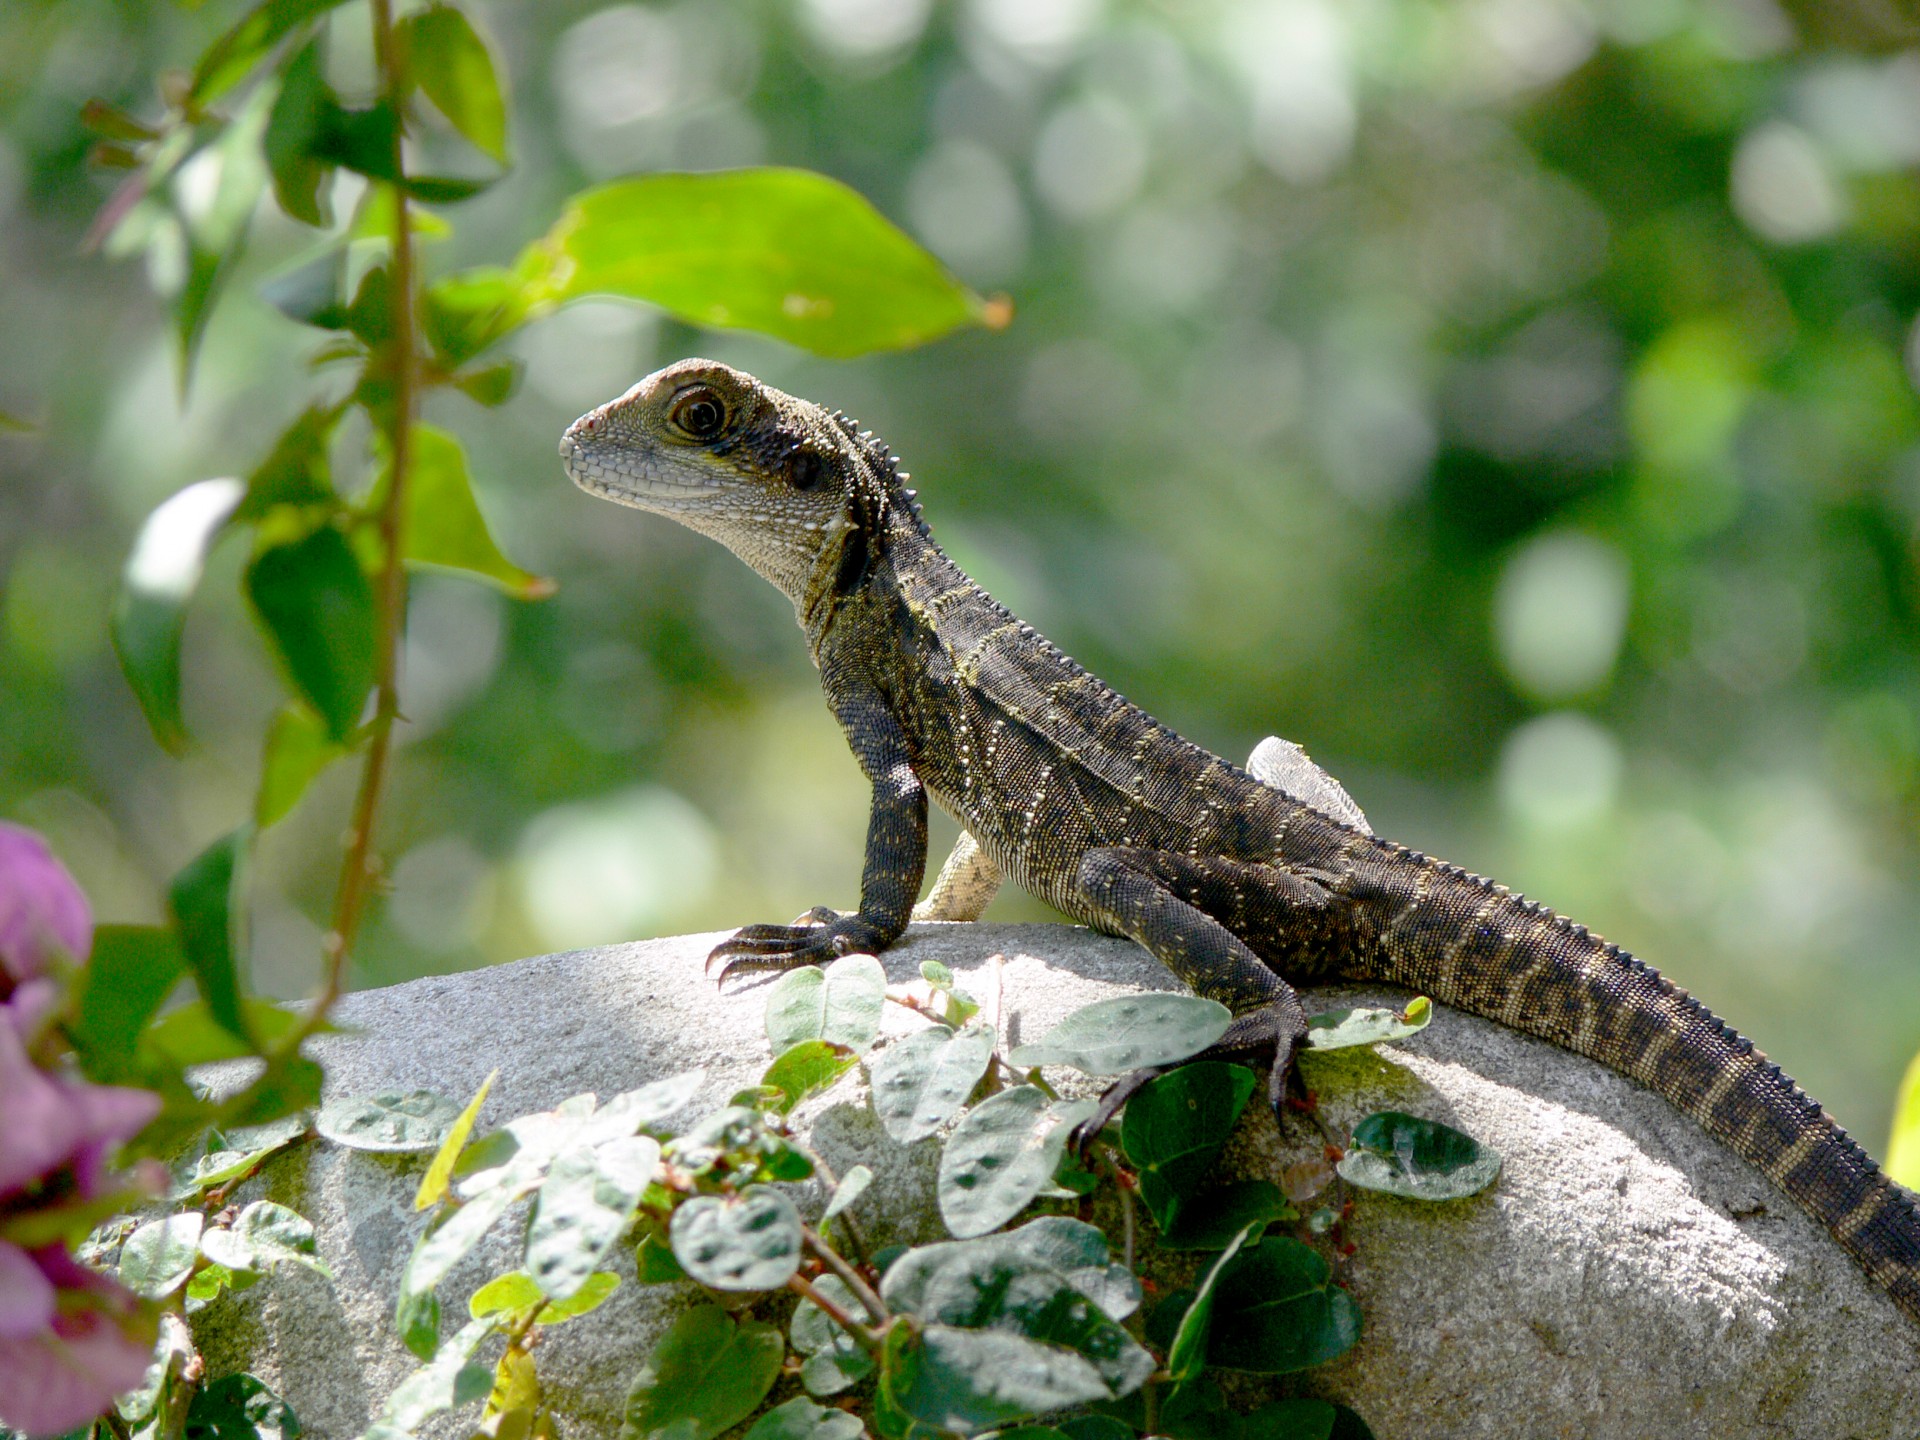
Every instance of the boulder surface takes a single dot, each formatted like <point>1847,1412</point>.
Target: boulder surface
<point>1626,1276</point>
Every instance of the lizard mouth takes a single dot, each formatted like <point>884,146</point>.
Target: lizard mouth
<point>627,477</point>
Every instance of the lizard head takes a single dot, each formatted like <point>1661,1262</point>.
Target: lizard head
<point>792,489</point>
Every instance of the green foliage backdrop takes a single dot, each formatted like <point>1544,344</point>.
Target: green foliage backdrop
<point>1510,401</point>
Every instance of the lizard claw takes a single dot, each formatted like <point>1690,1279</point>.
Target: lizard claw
<point>758,948</point>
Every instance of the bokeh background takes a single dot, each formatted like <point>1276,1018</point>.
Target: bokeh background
<point>1511,400</point>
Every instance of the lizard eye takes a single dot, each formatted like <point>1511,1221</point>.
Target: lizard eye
<point>805,470</point>
<point>699,413</point>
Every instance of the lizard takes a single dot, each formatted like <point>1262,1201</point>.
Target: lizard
<point>1241,887</point>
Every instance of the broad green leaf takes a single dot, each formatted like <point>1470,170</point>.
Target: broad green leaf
<point>973,1379</point>
<point>1300,1420</point>
<point>594,1292</point>
<point>205,900</point>
<point>173,1348</point>
<point>411,1124</point>
<point>449,61</point>
<point>655,1101</point>
<point>1210,1220</point>
<point>133,968</point>
<point>1903,1148</point>
<point>788,253</point>
<point>416,1319</point>
<point>1094,1427</point>
<point>444,525</point>
<point>801,1419</point>
<point>1276,1310</point>
<point>465,312</point>
<point>315,603</point>
<point>265,1235</point>
<point>191,1036</point>
<point>490,384</point>
<point>852,1186</point>
<point>433,1185</point>
<point>517,1291</point>
<point>443,1246</point>
<point>1176,1127</point>
<point>1337,1029</point>
<point>169,556</point>
<point>240,1155</point>
<point>796,1008</point>
<point>294,132</point>
<point>1187,1355</point>
<point>1130,1032</point>
<point>856,993</point>
<point>749,1241</point>
<point>706,1374</point>
<point>299,469</point>
<point>1421,1159</point>
<point>215,228</point>
<point>921,1281</point>
<point>920,1082</point>
<point>448,1380</point>
<point>296,751</point>
<point>240,1407</point>
<point>653,1261</point>
<point>227,61</point>
<point>835,1360</point>
<point>311,290</point>
<point>588,1198</point>
<point>158,1257</point>
<point>1001,1155</point>
<point>806,1069</point>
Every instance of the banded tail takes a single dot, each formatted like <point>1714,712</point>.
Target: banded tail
<point>1473,944</point>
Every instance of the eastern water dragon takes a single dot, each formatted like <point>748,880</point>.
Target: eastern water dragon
<point>1243,887</point>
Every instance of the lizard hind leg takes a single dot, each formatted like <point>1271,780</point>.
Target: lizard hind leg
<point>1156,898</point>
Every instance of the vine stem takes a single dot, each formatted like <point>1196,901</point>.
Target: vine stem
<point>862,1291</point>
<point>357,872</point>
<point>868,1337</point>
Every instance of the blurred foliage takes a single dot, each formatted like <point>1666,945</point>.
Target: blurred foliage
<point>1509,400</point>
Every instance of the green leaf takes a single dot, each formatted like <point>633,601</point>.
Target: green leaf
<point>444,1382</point>
<point>240,1407</point>
<point>1903,1148</point>
<point>443,1246</point>
<point>310,290</point>
<point>1176,1127</point>
<point>205,900</point>
<point>191,1036</point>
<point>1130,1032</point>
<point>970,1379</point>
<point>444,526</point>
<point>852,1186</point>
<point>1421,1159</point>
<point>806,1069</point>
<point>158,1257</point>
<point>1187,1354</point>
<point>490,384</point>
<point>132,970</point>
<point>1276,1310</point>
<point>835,1361</point>
<point>801,1419</point>
<point>1300,1420</point>
<point>1001,1155</point>
<point>295,130</point>
<point>705,1375</point>
<point>449,61</point>
<point>391,1123</point>
<point>856,993</point>
<point>263,1236</point>
<point>227,61</point>
<point>789,253</point>
<point>416,1319</point>
<point>169,556</point>
<point>960,1007</point>
<point>467,311</point>
<point>920,1082</point>
<point>653,1261</point>
<point>517,1291</point>
<point>1337,1029</point>
<point>298,470</point>
<point>433,1185</point>
<point>1209,1221</point>
<point>215,228</point>
<point>749,1241</point>
<point>315,603</point>
<point>920,1281</point>
<point>796,1008</point>
<point>1094,1427</point>
<point>588,1198</point>
<point>240,1155</point>
<point>297,750</point>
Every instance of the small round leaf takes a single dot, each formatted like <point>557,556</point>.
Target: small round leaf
<point>920,1082</point>
<point>1130,1032</point>
<point>749,1241</point>
<point>414,1123</point>
<point>1421,1159</point>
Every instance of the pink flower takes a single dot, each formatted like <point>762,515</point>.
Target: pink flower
<point>92,1340</point>
<point>57,1125</point>
<point>42,912</point>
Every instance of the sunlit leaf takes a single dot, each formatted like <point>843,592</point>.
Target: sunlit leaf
<point>263,1236</point>
<point>835,1361</point>
<point>227,61</point>
<point>205,899</point>
<point>801,1419</point>
<point>1903,1149</point>
<point>161,574</point>
<point>796,1008</point>
<point>444,526</point>
<point>706,1374</point>
<point>131,970</point>
<point>294,131</point>
<point>243,1152</point>
<point>1129,1032</point>
<point>1001,1155</point>
<point>587,1199</point>
<point>297,750</point>
<point>1072,1249</point>
<point>806,1069</point>
<point>1175,1128</point>
<point>433,1184</point>
<point>749,1241</point>
<point>519,1291</point>
<point>852,1186</point>
<point>394,1123</point>
<point>450,62</point>
<point>1337,1029</point>
<point>316,604</point>
<point>920,1082</point>
<point>448,1380</point>
<point>1420,1159</point>
<point>158,1257</point>
<point>789,253</point>
<point>1187,1353</point>
<point>189,1035</point>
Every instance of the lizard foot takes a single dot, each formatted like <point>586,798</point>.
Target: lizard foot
<point>764,948</point>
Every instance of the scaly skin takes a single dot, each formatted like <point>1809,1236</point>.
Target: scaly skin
<point>1091,804</point>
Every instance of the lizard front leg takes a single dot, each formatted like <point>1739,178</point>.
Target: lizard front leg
<point>966,885</point>
<point>896,850</point>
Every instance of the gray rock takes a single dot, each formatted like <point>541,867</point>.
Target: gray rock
<point>1625,1276</point>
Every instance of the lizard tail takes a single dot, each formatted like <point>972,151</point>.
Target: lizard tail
<point>1494,954</point>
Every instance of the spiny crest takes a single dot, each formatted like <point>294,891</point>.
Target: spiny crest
<point>884,461</point>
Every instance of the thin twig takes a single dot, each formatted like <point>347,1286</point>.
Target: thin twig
<point>849,1276</point>
<point>868,1337</point>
